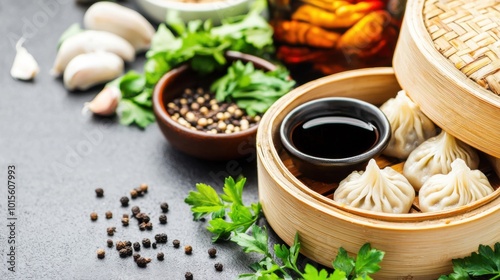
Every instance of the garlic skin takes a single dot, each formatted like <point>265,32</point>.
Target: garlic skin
<point>24,66</point>
<point>122,21</point>
<point>105,102</point>
<point>91,41</point>
<point>89,69</point>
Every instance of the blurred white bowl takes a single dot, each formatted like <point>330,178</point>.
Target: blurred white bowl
<point>160,10</point>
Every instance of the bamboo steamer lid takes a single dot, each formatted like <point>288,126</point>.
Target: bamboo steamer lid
<point>416,247</point>
<point>448,60</point>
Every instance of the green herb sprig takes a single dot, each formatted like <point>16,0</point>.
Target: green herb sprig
<point>485,264</point>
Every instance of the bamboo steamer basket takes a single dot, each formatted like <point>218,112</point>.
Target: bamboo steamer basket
<point>416,245</point>
<point>447,58</point>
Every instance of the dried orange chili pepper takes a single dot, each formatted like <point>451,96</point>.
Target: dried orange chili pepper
<point>302,33</point>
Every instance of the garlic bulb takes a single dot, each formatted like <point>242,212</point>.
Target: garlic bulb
<point>122,21</point>
<point>25,66</point>
<point>90,41</point>
<point>89,69</point>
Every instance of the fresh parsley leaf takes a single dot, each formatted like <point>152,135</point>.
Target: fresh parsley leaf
<point>132,84</point>
<point>484,263</point>
<point>343,262</point>
<point>368,261</point>
<point>257,242</point>
<point>205,201</point>
<point>233,191</point>
<point>133,113</point>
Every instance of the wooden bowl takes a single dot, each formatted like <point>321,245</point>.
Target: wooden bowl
<point>417,245</point>
<point>201,144</point>
<point>447,60</point>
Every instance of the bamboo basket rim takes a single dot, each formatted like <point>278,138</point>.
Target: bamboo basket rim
<point>402,222</point>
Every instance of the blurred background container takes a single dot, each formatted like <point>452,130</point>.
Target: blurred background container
<point>321,37</point>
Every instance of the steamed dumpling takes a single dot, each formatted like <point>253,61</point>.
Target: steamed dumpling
<point>435,156</point>
<point>409,126</point>
<point>458,188</point>
<point>377,190</point>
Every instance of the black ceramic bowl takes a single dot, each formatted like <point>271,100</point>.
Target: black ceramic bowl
<point>328,138</point>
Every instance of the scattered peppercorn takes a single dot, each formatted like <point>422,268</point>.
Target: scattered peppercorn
<point>160,256</point>
<point>124,201</point>
<point>133,194</point>
<point>111,231</point>
<point>149,226</point>
<point>142,226</point>
<point>145,218</point>
<point>109,215</point>
<point>144,188</point>
<point>188,249</point>
<point>128,243</point>
<point>100,253</point>
<point>136,256</point>
<point>137,246</point>
<point>123,252</point>
<point>129,251</point>
<point>93,216</point>
<point>110,243</point>
<point>218,266</point>
<point>161,238</point>
<point>135,210</point>
<point>99,192</point>
<point>212,252</point>
<point>142,262</point>
<point>120,245</point>
<point>164,207</point>
<point>176,243</point>
<point>139,217</point>
<point>139,191</point>
<point>125,216</point>
<point>146,243</point>
<point>163,219</point>
<point>188,276</point>
<point>125,221</point>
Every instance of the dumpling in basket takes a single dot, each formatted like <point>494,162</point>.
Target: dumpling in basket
<point>376,190</point>
<point>409,126</point>
<point>435,156</point>
<point>458,188</point>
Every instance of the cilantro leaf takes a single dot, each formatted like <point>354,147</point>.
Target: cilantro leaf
<point>343,262</point>
<point>233,191</point>
<point>257,242</point>
<point>368,261</point>
<point>204,201</point>
<point>486,262</point>
<point>133,113</point>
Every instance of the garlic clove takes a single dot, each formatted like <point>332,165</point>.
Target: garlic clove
<point>24,66</point>
<point>122,21</point>
<point>105,102</point>
<point>91,41</point>
<point>89,69</point>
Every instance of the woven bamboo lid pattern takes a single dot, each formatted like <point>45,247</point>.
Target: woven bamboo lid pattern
<point>467,32</point>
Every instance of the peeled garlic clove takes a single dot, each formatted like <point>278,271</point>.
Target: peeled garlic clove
<point>89,69</point>
<point>91,41</point>
<point>105,103</point>
<point>25,66</point>
<point>122,21</point>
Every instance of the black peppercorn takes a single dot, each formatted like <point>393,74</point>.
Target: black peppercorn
<point>139,191</point>
<point>153,245</point>
<point>218,266</point>
<point>188,276</point>
<point>111,231</point>
<point>142,262</point>
<point>160,256</point>
<point>137,246</point>
<point>135,210</point>
<point>110,243</point>
<point>129,251</point>
<point>145,218</point>
<point>124,201</point>
<point>163,219</point>
<point>146,243</point>
<point>120,245</point>
<point>123,252</point>
<point>139,217</point>
<point>101,253</point>
<point>136,256</point>
<point>161,238</point>
<point>125,222</point>
<point>212,252</point>
<point>149,226</point>
<point>188,249</point>
<point>133,194</point>
<point>125,216</point>
<point>164,207</point>
<point>144,188</point>
<point>99,192</point>
<point>142,226</point>
<point>93,216</point>
<point>176,243</point>
<point>109,215</point>
<point>128,243</point>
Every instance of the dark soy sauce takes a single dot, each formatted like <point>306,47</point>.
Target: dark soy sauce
<point>334,137</point>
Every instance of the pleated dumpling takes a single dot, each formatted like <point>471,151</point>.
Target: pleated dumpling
<point>435,156</point>
<point>458,188</point>
<point>376,190</point>
<point>409,126</point>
